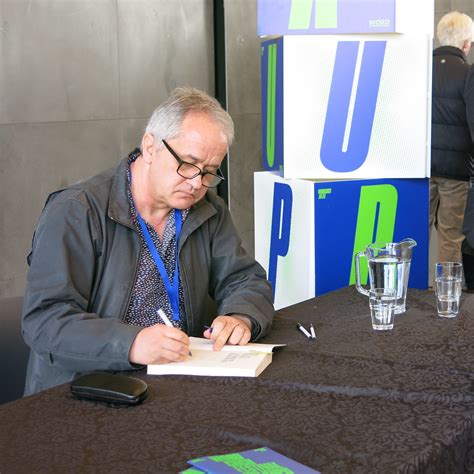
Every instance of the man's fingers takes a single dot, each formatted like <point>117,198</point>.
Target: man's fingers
<point>175,346</point>
<point>167,356</point>
<point>159,344</point>
<point>245,338</point>
<point>174,333</point>
<point>236,335</point>
<point>221,339</point>
<point>229,330</point>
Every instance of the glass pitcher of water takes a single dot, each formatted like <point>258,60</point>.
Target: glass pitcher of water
<point>389,267</point>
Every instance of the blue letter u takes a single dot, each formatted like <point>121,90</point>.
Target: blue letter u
<point>332,154</point>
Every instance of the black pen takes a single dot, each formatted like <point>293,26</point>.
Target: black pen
<point>208,327</point>
<point>311,328</point>
<point>303,330</point>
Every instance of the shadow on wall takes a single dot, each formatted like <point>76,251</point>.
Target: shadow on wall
<point>13,350</point>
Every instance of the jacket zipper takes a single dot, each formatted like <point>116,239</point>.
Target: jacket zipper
<point>135,272</point>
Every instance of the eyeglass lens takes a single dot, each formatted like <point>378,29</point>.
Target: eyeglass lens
<point>190,171</point>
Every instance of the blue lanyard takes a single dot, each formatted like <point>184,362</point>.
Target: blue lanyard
<point>171,288</point>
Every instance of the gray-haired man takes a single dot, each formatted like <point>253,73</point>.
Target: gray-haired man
<point>112,250</point>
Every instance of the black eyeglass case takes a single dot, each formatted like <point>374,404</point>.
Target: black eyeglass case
<point>112,388</point>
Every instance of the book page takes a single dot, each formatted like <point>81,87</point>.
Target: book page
<point>206,344</point>
<point>222,363</point>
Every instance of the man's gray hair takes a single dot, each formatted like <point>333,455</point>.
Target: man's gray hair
<point>165,122</point>
<point>454,28</point>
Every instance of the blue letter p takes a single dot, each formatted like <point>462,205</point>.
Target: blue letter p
<point>281,225</point>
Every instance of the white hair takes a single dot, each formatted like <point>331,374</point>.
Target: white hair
<point>454,29</point>
<point>166,120</point>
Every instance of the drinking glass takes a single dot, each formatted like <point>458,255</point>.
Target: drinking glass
<point>382,308</point>
<point>448,287</point>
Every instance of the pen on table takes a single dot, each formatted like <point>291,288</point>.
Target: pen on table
<point>303,330</point>
<point>311,328</point>
<point>165,319</point>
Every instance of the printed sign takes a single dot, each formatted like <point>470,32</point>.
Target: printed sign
<point>307,232</point>
<point>329,17</point>
<point>297,17</point>
<point>344,107</point>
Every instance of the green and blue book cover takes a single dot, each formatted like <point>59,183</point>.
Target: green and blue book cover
<point>255,461</point>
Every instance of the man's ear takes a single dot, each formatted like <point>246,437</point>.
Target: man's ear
<point>148,147</point>
<point>466,47</point>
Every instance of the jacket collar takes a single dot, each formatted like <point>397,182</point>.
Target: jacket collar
<point>198,214</point>
<point>450,51</point>
<point>119,207</point>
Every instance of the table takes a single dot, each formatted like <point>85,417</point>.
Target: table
<point>355,400</point>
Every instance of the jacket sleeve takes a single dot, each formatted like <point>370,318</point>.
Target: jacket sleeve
<point>238,283</point>
<point>56,322</point>
<point>469,100</point>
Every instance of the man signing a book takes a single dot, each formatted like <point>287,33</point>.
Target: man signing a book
<point>112,252</point>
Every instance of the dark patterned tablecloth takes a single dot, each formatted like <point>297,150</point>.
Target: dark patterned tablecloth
<point>356,400</point>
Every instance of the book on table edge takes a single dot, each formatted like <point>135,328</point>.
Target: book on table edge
<point>236,361</point>
<point>254,460</point>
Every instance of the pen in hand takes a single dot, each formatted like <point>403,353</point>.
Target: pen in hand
<point>167,322</point>
<point>165,319</point>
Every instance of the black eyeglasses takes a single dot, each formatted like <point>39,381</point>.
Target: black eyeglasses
<point>189,171</point>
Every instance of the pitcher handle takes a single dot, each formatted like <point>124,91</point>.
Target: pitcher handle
<point>359,287</point>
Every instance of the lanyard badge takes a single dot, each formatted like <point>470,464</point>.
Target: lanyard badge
<point>171,288</point>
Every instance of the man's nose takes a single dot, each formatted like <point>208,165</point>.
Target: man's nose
<point>196,182</point>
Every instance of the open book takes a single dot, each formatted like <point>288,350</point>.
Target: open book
<point>237,361</point>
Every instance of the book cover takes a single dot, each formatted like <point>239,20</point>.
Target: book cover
<point>263,460</point>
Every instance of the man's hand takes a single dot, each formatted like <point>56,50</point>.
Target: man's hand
<point>159,344</point>
<point>235,330</point>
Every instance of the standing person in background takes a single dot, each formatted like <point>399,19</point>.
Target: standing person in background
<point>467,246</point>
<point>451,143</point>
<point>111,251</point>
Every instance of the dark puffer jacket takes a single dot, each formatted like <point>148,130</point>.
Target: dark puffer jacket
<point>453,97</point>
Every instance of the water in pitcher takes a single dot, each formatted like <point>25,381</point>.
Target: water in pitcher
<point>391,272</point>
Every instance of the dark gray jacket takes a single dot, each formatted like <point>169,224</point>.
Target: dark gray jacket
<point>83,267</point>
<point>452,114</point>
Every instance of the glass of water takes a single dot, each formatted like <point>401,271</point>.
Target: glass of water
<point>448,286</point>
<point>382,307</point>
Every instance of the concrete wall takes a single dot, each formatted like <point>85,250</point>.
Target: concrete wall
<point>78,80</point>
<point>243,103</point>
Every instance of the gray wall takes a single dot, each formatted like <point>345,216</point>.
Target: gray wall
<point>243,103</point>
<point>78,79</point>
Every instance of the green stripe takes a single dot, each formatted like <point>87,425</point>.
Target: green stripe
<point>271,100</point>
<point>326,14</point>
<point>300,14</point>
<point>370,196</point>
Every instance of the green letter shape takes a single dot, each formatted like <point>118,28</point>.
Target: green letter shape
<point>271,99</point>
<point>387,196</point>
<point>325,14</point>
<point>247,466</point>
